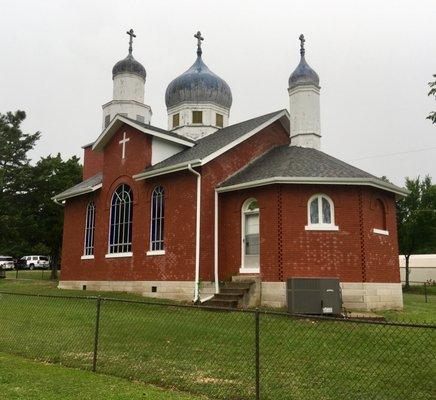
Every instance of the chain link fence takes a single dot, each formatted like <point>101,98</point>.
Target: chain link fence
<point>36,274</point>
<point>224,354</point>
<point>426,289</point>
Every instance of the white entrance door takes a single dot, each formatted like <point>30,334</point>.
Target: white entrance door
<point>250,237</point>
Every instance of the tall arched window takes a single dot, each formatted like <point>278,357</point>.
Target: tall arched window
<point>89,229</point>
<point>157,219</point>
<point>120,235</point>
<point>321,213</point>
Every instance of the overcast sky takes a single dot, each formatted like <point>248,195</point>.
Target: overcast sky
<point>374,59</point>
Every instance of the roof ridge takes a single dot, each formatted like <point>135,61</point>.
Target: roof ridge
<point>240,123</point>
<point>171,133</point>
<point>251,162</point>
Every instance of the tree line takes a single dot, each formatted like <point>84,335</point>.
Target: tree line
<point>30,222</point>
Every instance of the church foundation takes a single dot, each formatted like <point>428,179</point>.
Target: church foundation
<point>172,290</point>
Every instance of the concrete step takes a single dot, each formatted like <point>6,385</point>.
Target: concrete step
<point>226,290</point>
<point>235,296</point>
<point>236,285</point>
<point>221,303</point>
<point>230,296</point>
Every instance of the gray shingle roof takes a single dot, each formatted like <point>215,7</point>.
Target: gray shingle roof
<point>214,142</point>
<point>300,162</point>
<point>81,188</point>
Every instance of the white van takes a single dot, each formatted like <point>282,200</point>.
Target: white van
<point>6,262</point>
<point>34,262</point>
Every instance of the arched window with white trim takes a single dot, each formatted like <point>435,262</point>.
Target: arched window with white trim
<point>121,215</point>
<point>379,217</point>
<point>157,243</point>
<point>321,213</point>
<point>89,230</point>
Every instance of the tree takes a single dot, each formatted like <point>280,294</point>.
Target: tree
<point>432,92</point>
<point>416,215</point>
<point>50,176</point>
<point>30,221</point>
<point>14,180</point>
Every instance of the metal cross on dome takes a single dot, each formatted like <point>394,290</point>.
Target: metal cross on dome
<point>199,40</point>
<point>132,35</point>
<point>302,40</point>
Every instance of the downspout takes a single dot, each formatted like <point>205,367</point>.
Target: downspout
<point>197,235</point>
<point>217,285</point>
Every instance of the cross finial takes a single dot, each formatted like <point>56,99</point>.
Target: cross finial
<point>199,39</point>
<point>302,40</point>
<point>132,35</point>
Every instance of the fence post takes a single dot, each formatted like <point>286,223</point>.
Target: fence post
<point>257,335</point>
<point>97,327</point>
<point>425,291</point>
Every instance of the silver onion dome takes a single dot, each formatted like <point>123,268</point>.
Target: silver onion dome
<point>303,74</point>
<point>198,84</point>
<point>129,64</point>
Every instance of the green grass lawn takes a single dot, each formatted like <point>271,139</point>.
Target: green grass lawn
<point>212,353</point>
<point>22,379</point>
<point>39,274</point>
<point>415,309</point>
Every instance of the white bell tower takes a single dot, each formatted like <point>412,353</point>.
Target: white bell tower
<point>304,104</point>
<point>128,90</point>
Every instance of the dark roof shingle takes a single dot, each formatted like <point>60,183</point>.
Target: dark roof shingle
<point>214,142</point>
<point>299,162</point>
<point>82,187</point>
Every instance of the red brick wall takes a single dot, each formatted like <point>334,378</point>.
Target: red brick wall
<point>92,162</point>
<point>178,263</point>
<point>354,253</point>
<point>221,168</point>
<point>382,263</point>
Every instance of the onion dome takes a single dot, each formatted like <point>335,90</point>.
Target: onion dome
<point>198,84</point>
<point>303,74</point>
<point>129,64</point>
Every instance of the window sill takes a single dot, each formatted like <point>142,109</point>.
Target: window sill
<point>320,227</point>
<point>249,270</point>
<point>119,255</point>
<point>380,232</point>
<point>155,252</point>
<point>87,257</point>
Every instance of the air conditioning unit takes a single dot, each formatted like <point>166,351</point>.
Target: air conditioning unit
<point>313,296</point>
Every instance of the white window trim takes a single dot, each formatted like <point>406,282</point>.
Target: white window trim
<point>155,252</point>
<point>245,211</point>
<point>119,255</point>
<point>381,232</point>
<point>110,226</point>
<point>162,232</point>
<point>249,270</point>
<point>91,231</point>
<point>87,257</point>
<point>321,226</point>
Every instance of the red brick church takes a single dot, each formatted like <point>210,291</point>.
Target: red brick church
<point>175,213</point>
